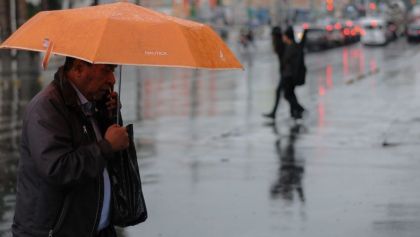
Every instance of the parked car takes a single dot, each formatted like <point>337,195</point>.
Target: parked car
<point>334,28</point>
<point>316,38</point>
<point>334,33</point>
<point>351,31</point>
<point>375,31</point>
<point>413,31</point>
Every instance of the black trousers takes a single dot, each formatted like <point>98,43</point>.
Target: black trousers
<point>107,232</point>
<point>285,86</point>
<point>289,94</point>
<point>278,96</point>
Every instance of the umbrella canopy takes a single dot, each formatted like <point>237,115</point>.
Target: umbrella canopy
<point>124,33</point>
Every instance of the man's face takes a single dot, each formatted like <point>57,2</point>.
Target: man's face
<point>99,80</point>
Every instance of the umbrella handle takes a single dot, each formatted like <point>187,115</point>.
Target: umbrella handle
<point>49,45</point>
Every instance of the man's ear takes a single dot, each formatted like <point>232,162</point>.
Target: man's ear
<point>77,66</point>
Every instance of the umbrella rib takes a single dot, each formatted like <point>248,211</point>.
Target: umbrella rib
<point>188,43</point>
<point>178,25</point>
<point>169,66</point>
<point>100,39</point>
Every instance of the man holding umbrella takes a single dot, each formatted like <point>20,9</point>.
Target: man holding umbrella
<point>68,136</point>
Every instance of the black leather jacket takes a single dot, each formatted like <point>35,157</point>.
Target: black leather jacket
<point>289,62</point>
<point>60,159</point>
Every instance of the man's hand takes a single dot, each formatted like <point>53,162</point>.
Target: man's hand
<point>117,136</point>
<point>112,100</point>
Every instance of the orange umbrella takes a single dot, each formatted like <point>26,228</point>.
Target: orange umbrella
<point>123,33</point>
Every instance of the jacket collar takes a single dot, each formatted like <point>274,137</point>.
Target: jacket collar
<point>69,94</point>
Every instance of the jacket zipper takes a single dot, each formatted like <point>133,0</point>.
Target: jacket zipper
<point>98,207</point>
<point>97,210</point>
<point>61,217</point>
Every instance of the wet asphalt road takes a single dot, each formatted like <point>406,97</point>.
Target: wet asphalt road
<point>213,166</point>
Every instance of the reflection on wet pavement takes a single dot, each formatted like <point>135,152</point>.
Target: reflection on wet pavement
<point>291,170</point>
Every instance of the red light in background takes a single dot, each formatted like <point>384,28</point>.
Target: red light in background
<point>346,32</point>
<point>328,76</point>
<point>361,62</point>
<point>345,61</point>
<point>374,24</point>
<point>321,91</point>
<point>337,26</point>
<point>330,5</point>
<point>373,66</point>
<point>330,8</point>
<point>372,6</point>
<point>305,26</point>
<point>329,27</point>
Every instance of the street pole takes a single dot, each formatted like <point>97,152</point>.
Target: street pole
<point>5,31</point>
<point>44,5</point>
<point>367,7</point>
<point>313,8</point>
<point>5,18</point>
<point>278,12</point>
<point>13,23</point>
<point>21,12</point>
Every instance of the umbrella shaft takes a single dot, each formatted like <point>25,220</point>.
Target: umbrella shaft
<point>119,95</point>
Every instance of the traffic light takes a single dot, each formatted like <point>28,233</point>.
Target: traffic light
<point>330,5</point>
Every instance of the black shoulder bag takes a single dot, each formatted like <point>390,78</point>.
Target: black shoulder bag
<point>127,202</point>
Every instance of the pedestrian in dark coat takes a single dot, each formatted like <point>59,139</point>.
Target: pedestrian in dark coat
<point>288,62</point>
<point>63,187</point>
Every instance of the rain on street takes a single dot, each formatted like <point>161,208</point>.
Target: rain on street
<point>211,165</point>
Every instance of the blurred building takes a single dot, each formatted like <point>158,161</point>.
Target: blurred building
<point>13,13</point>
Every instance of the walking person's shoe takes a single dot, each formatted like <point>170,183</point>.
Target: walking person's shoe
<point>296,115</point>
<point>270,115</point>
<point>299,114</point>
<point>304,113</point>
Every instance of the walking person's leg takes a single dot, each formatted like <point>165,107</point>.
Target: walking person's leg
<point>298,107</point>
<point>295,108</point>
<point>272,114</point>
